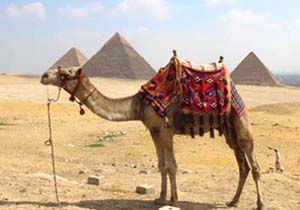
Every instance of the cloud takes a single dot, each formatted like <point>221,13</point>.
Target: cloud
<point>244,16</point>
<point>35,9</point>
<point>157,9</point>
<point>218,2</point>
<point>81,12</point>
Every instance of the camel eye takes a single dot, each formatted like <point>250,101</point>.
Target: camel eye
<point>70,71</point>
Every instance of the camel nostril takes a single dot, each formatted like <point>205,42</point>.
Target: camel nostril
<point>45,75</point>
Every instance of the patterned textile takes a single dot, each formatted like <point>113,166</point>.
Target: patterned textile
<point>201,89</point>
<point>237,102</point>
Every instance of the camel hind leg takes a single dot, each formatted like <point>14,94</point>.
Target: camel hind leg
<point>245,141</point>
<point>240,157</point>
<point>243,174</point>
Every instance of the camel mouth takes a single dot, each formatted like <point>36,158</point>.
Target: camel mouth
<point>45,79</point>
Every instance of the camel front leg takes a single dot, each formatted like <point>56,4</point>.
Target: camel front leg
<point>171,167</point>
<point>161,166</point>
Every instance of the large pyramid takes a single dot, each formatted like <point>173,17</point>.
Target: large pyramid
<point>72,58</point>
<point>252,71</point>
<point>117,59</point>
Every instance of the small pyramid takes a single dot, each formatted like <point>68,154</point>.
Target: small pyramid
<point>252,71</point>
<point>72,58</point>
<point>118,59</point>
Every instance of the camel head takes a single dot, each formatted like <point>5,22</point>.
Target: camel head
<point>62,77</point>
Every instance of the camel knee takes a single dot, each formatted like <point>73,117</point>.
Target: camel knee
<point>171,167</point>
<point>256,173</point>
<point>245,144</point>
<point>162,168</point>
<point>244,170</point>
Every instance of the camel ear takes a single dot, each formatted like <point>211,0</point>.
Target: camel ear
<point>79,71</point>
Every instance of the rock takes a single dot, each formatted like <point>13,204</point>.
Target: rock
<point>169,208</point>
<point>81,172</point>
<point>186,171</point>
<point>95,180</point>
<point>23,190</point>
<point>144,172</point>
<point>144,189</point>
<point>133,166</point>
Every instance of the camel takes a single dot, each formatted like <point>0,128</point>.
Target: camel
<point>238,135</point>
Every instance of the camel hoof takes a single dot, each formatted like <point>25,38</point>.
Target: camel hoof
<point>160,201</point>
<point>175,204</point>
<point>260,206</point>
<point>232,204</point>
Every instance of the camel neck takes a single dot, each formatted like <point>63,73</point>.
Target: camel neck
<point>119,109</point>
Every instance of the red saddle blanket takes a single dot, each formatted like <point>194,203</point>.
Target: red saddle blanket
<point>201,89</point>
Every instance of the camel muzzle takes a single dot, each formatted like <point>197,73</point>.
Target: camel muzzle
<point>44,78</point>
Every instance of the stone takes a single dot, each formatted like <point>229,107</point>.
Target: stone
<point>169,208</point>
<point>144,189</point>
<point>186,171</point>
<point>144,172</point>
<point>81,172</point>
<point>95,180</point>
<point>133,166</point>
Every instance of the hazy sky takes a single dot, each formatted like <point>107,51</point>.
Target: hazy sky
<point>34,34</point>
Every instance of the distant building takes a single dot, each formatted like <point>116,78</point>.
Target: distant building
<point>72,58</point>
<point>252,71</point>
<point>118,59</point>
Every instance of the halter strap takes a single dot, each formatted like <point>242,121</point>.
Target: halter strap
<point>72,93</point>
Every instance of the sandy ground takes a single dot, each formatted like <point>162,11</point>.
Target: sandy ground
<point>207,174</point>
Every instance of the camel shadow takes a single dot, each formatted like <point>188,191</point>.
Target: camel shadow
<point>109,204</point>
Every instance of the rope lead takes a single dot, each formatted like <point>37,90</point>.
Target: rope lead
<point>49,142</point>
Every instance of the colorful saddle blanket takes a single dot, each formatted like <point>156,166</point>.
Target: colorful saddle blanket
<point>200,89</point>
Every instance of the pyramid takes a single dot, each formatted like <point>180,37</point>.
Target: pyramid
<point>118,59</point>
<point>72,58</point>
<point>252,71</point>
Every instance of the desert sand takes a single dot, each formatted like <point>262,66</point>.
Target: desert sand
<point>207,171</point>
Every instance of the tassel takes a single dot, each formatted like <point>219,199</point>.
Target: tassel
<point>182,123</point>
<point>82,112</point>
<point>220,122</point>
<point>192,124</point>
<point>226,100</point>
<point>211,124</point>
<point>225,81</point>
<point>167,123</point>
<point>201,125</point>
<point>72,98</point>
<point>226,123</point>
<point>190,94</point>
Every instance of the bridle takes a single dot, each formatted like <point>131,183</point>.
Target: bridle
<point>78,77</point>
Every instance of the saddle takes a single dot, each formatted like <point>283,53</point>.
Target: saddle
<point>198,88</point>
